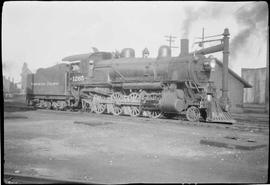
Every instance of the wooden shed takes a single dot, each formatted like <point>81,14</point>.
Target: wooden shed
<point>236,86</point>
<point>257,78</point>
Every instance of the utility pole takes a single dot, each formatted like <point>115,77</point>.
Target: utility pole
<point>202,43</point>
<point>224,46</point>
<point>170,40</point>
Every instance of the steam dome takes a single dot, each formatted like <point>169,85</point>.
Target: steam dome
<point>164,51</point>
<point>127,53</point>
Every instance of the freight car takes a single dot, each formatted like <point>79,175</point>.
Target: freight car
<point>124,85</point>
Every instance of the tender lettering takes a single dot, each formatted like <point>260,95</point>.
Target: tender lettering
<point>45,83</point>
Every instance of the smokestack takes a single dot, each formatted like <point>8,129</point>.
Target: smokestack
<point>184,47</point>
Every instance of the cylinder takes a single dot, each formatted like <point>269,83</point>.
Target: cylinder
<point>171,103</point>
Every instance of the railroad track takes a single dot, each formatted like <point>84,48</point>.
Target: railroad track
<point>250,124</point>
<point>240,125</point>
<point>252,127</point>
<point>26,179</point>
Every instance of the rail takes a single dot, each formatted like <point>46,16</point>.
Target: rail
<point>26,179</point>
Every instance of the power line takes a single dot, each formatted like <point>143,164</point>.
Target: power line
<point>170,40</point>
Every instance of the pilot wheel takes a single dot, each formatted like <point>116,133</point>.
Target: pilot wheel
<point>193,113</point>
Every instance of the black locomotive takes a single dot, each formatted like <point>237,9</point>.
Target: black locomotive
<point>104,82</point>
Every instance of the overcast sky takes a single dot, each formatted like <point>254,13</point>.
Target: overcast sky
<point>42,33</point>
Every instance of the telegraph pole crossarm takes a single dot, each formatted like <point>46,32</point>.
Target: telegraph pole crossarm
<point>170,40</point>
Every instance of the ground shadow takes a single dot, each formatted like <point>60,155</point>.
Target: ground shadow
<point>14,106</point>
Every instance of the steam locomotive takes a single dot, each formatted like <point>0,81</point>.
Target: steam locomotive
<point>104,82</point>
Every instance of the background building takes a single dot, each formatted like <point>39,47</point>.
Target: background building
<point>9,87</point>
<point>236,86</point>
<point>25,72</point>
<point>257,78</point>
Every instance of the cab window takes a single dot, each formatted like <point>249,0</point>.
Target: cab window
<point>91,67</point>
<point>75,67</point>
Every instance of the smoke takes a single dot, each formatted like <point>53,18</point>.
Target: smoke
<point>204,12</point>
<point>7,66</point>
<point>254,18</point>
<point>191,16</point>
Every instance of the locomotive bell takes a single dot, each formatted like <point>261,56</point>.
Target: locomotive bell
<point>164,51</point>
<point>127,53</point>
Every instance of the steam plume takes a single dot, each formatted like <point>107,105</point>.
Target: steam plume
<point>254,18</point>
<point>192,15</point>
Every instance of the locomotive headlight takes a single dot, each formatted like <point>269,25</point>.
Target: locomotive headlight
<point>212,63</point>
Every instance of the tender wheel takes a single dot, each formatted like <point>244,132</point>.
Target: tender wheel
<point>193,113</point>
<point>48,105</point>
<point>55,105</point>
<point>62,105</point>
<point>154,114</point>
<point>41,104</point>
<point>135,111</point>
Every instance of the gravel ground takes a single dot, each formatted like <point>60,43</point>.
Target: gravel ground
<point>109,149</point>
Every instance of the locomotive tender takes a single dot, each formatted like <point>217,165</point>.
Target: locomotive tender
<point>102,82</point>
